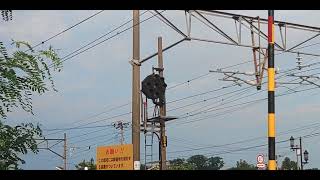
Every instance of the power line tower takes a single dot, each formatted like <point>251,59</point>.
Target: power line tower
<point>121,126</point>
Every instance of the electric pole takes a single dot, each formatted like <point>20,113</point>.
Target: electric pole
<point>121,132</point>
<point>136,90</point>
<point>120,125</point>
<point>298,149</point>
<point>301,154</point>
<point>272,165</point>
<point>163,137</point>
<point>65,151</point>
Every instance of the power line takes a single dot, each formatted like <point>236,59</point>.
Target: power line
<point>102,36</point>
<point>237,104</point>
<point>205,100</point>
<point>223,100</point>
<point>123,105</point>
<point>235,109</point>
<point>86,119</point>
<point>256,146</point>
<point>54,36</point>
<point>242,104</point>
<point>65,129</point>
<point>65,58</point>
<point>249,140</point>
<point>188,81</point>
<point>97,121</point>
<point>259,145</point>
<point>229,93</point>
<point>95,137</point>
<point>196,94</point>
<point>198,77</point>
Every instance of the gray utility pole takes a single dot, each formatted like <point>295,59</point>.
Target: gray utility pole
<point>136,90</point>
<point>163,137</point>
<point>65,151</point>
<point>301,162</point>
<point>120,125</point>
<point>121,132</point>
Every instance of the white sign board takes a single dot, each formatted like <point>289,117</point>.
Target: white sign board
<point>136,165</point>
<point>260,159</point>
<point>260,162</point>
<point>261,166</point>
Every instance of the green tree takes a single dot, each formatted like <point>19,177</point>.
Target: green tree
<point>180,164</point>
<point>22,74</point>
<point>199,161</point>
<point>15,140</point>
<point>215,163</point>
<point>6,15</point>
<point>287,164</point>
<point>243,165</point>
<point>90,164</point>
<point>178,161</point>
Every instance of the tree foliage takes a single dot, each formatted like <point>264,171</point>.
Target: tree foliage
<point>215,163</point>
<point>6,15</point>
<point>287,164</point>
<point>243,165</point>
<point>24,73</point>
<point>180,164</point>
<point>197,162</point>
<point>90,164</point>
<point>15,141</point>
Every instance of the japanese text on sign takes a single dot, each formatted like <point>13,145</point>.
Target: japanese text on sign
<point>117,157</point>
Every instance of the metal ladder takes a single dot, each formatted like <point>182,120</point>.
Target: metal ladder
<point>148,148</point>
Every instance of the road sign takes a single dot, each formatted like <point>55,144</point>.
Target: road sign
<point>261,166</point>
<point>118,157</point>
<point>136,165</point>
<point>260,159</point>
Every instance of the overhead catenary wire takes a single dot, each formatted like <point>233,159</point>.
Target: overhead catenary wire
<point>262,99</point>
<point>86,119</point>
<point>67,29</point>
<point>302,128</point>
<point>253,147</point>
<point>223,108</point>
<point>241,104</point>
<point>198,77</point>
<point>73,54</point>
<point>239,149</point>
<point>247,88</point>
<point>101,120</point>
<point>123,105</point>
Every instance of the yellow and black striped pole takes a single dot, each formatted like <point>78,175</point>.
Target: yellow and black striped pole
<point>271,101</point>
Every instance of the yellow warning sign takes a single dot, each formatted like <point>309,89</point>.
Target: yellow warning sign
<point>118,157</point>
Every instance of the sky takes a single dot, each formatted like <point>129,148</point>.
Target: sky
<point>99,79</point>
